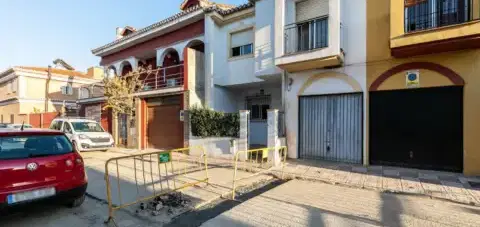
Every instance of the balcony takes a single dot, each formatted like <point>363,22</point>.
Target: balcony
<point>306,36</point>
<point>433,26</point>
<point>163,78</point>
<point>311,44</point>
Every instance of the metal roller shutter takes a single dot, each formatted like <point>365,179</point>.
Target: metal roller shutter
<point>330,127</point>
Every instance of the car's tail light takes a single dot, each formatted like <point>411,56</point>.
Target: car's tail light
<point>69,163</point>
<point>79,161</point>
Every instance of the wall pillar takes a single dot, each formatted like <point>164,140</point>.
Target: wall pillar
<point>272,140</point>
<point>243,134</point>
<point>115,128</point>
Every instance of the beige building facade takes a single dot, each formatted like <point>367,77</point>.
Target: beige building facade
<point>23,91</point>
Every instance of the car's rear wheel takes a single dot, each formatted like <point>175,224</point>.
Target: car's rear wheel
<point>77,201</point>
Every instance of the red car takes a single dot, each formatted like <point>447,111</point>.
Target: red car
<point>38,165</point>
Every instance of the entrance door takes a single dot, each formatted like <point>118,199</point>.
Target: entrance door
<point>330,127</point>
<point>419,128</point>
<point>164,128</point>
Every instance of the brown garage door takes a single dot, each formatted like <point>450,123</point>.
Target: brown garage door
<point>164,128</point>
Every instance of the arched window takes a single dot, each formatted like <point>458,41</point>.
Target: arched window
<point>84,93</point>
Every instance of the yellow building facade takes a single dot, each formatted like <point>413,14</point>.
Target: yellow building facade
<point>23,89</point>
<point>406,59</point>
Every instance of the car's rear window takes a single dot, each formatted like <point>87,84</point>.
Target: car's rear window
<point>18,147</point>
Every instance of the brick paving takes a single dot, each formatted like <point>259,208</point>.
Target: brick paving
<point>444,185</point>
<point>309,203</point>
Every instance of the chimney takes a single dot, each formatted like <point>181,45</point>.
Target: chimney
<point>95,72</point>
<point>119,32</point>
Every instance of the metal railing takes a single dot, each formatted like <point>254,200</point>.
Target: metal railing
<point>256,162</point>
<point>437,13</point>
<point>306,35</point>
<point>166,77</point>
<point>154,174</point>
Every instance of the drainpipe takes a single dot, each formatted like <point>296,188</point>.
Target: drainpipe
<point>47,87</point>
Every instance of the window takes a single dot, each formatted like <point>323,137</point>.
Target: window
<point>258,107</point>
<point>84,93</point>
<point>67,128</point>
<point>67,90</point>
<point>56,125</point>
<point>242,50</point>
<point>20,147</point>
<point>11,86</point>
<point>87,127</point>
<point>241,43</point>
<point>426,14</point>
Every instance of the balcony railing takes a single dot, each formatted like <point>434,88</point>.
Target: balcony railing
<point>428,14</point>
<point>306,35</point>
<point>167,77</point>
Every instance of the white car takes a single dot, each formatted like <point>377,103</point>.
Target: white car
<point>19,126</point>
<point>86,135</point>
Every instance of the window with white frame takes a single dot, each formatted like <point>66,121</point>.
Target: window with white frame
<point>241,43</point>
<point>12,86</point>
<point>67,90</point>
<point>84,93</point>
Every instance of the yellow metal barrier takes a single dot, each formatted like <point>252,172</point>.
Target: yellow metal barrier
<point>144,176</point>
<point>257,161</point>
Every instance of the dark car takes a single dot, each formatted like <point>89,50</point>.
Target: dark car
<point>38,165</point>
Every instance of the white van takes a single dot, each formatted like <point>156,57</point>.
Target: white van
<point>86,135</point>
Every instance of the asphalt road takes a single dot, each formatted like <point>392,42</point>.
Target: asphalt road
<point>91,213</point>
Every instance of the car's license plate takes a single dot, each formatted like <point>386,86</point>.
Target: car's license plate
<point>30,195</point>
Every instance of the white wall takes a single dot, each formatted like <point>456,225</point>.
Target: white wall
<point>218,147</point>
<point>265,38</point>
<point>225,100</point>
<point>196,77</point>
<point>231,71</point>
<point>333,48</point>
<point>354,17</point>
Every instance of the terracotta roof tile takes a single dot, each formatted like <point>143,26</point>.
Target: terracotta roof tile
<point>222,9</point>
<point>56,71</point>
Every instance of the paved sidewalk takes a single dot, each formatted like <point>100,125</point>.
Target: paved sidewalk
<point>443,185</point>
<point>307,203</point>
<point>140,178</point>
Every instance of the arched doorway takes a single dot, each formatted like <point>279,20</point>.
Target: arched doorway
<point>172,69</point>
<point>126,68</point>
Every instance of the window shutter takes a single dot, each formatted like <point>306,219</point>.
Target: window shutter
<point>242,38</point>
<point>409,3</point>
<point>306,10</point>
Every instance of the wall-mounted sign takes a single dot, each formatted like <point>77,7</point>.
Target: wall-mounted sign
<point>164,157</point>
<point>412,79</point>
<point>182,115</point>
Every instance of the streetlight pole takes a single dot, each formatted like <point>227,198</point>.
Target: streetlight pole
<point>47,87</point>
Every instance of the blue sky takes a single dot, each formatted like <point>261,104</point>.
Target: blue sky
<point>35,32</point>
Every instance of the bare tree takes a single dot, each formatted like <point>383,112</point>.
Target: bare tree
<point>120,90</point>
